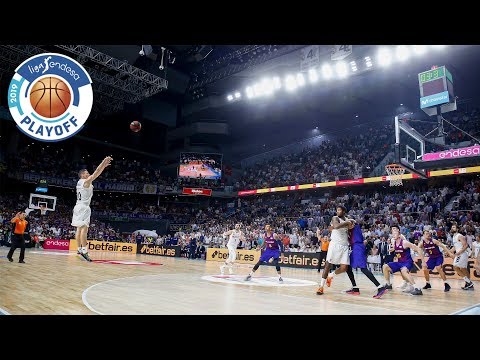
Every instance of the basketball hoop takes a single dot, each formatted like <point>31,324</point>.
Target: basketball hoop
<point>395,173</point>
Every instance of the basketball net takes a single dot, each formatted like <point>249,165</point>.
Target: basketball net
<point>43,210</point>
<point>395,173</point>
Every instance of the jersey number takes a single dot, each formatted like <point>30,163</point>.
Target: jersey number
<point>79,196</point>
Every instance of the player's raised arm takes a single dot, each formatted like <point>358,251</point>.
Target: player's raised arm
<point>106,162</point>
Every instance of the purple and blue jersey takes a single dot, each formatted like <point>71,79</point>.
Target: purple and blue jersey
<point>273,248</point>
<point>358,256</point>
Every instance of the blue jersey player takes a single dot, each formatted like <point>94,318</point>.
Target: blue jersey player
<point>273,248</point>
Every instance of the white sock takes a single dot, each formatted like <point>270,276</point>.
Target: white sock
<point>322,282</point>
<point>467,280</point>
<point>279,276</point>
<point>332,274</point>
<point>379,286</point>
<point>84,250</point>
<point>80,249</point>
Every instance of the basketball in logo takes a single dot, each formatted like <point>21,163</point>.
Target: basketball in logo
<point>50,97</point>
<point>135,126</point>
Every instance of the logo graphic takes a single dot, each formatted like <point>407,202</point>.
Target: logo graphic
<point>150,249</point>
<point>50,97</point>
<point>435,99</point>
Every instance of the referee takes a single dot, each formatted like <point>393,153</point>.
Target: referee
<point>17,237</point>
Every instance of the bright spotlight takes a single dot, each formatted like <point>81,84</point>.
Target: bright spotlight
<point>267,86</point>
<point>353,66</point>
<point>258,89</point>
<point>290,82</point>
<point>277,84</point>
<point>249,91</point>
<point>327,71</point>
<point>368,62</point>
<point>419,49</point>
<point>402,52</point>
<point>238,95</point>
<point>230,97</point>
<point>300,79</point>
<point>341,69</point>
<point>312,75</point>
<point>384,57</point>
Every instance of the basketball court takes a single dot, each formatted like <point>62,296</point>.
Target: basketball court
<point>122,284</point>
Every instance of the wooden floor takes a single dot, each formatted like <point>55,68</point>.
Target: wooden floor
<point>53,282</point>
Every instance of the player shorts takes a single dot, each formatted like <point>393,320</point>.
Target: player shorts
<point>81,215</point>
<point>434,262</point>
<point>397,266</point>
<point>338,254</point>
<point>232,254</point>
<point>461,261</point>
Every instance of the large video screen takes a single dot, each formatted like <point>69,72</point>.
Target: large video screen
<point>199,165</point>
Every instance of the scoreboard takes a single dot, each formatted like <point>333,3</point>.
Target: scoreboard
<point>436,87</point>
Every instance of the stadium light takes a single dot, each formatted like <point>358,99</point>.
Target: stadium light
<point>368,62</point>
<point>230,97</point>
<point>290,83</point>
<point>249,91</point>
<point>258,89</point>
<point>419,49</point>
<point>267,86</point>
<point>384,57</point>
<point>312,75</point>
<point>402,52</point>
<point>277,84</point>
<point>300,79</point>
<point>353,66</point>
<point>238,95</point>
<point>341,69</point>
<point>327,71</point>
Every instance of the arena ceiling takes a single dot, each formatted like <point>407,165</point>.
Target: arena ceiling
<point>195,80</point>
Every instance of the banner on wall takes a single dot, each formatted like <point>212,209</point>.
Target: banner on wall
<point>447,269</point>
<point>243,256</point>
<point>159,250</point>
<point>55,244</point>
<point>110,246</point>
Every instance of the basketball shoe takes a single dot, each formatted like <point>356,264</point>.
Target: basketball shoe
<point>329,281</point>
<point>320,290</point>
<point>353,291</point>
<point>380,292</point>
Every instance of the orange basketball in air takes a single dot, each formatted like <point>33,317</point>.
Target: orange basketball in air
<point>50,97</point>
<point>135,126</point>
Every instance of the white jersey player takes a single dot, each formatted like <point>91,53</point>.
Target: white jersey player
<point>460,262</point>
<point>82,211</point>
<point>338,250</point>
<point>476,253</point>
<point>235,236</point>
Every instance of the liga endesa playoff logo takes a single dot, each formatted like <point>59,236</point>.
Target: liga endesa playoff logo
<point>50,97</point>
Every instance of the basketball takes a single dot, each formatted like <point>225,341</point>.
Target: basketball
<point>135,126</point>
<point>50,97</point>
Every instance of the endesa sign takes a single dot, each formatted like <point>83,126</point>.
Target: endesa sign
<point>55,244</point>
<point>194,191</point>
